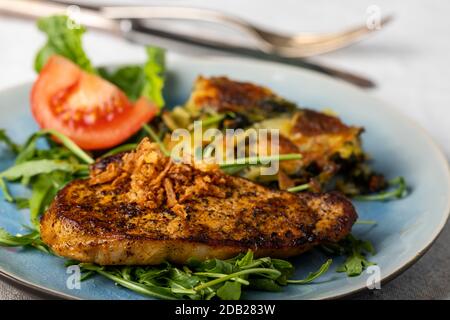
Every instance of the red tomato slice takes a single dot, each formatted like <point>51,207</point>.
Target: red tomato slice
<point>91,111</point>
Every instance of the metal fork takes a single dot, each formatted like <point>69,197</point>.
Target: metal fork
<point>295,46</point>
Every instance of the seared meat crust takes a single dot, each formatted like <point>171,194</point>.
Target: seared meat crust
<point>221,95</point>
<point>142,208</point>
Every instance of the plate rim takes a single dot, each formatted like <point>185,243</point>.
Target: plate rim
<point>386,278</point>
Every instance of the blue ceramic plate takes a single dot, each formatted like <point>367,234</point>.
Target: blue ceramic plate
<point>405,229</point>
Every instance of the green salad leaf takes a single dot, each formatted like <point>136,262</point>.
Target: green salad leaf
<point>35,167</point>
<point>22,203</point>
<point>141,80</point>
<point>44,190</point>
<point>130,79</point>
<point>230,291</point>
<point>355,250</point>
<point>31,239</point>
<point>7,140</point>
<point>313,275</point>
<point>224,279</point>
<point>400,190</point>
<point>64,39</point>
<point>154,70</point>
<point>46,170</point>
<point>4,188</point>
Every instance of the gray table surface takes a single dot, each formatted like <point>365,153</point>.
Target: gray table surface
<point>408,60</point>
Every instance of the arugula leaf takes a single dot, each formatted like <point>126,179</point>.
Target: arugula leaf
<point>148,129</point>
<point>119,149</point>
<point>154,71</point>
<point>22,203</point>
<point>232,167</point>
<point>29,150</point>
<point>8,239</point>
<point>216,266</point>
<point>182,279</point>
<point>44,190</point>
<point>153,291</point>
<point>313,275</point>
<point>245,261</point>
<point>399,191</point>
<point>301,187</point>
<point>230,291</point>
<point>149,275</point>
<point>356,251</point>
<point>224,279</point>
<point>34,167</point>
<point>31,239</point>
<point>64,40</point>
<point>41,188</point>
<point>5,191</point>
<point>285,267</point>
<point>7,140</point>
<point>263,284</point>
<point>45,170</point>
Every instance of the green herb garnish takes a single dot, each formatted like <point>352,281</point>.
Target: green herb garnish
<point>141,80</point>
<point>355,250</point>
<point>64,39</point>
<point>214,119</point>
<point>400,191</point>
<point>7,140</point>
<point>368,222</point>
<point>224,279</point>
<point>299,188</point>
<point>130,79</point>
<point>45,170</point>
<point>237,165</point>
<point>119,149</point>
<point>147,128</point>
<point>313,275</point>
<point>32,239</point>
<point>154,70</point>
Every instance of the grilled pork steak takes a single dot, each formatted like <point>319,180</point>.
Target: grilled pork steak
<point>142,208</point>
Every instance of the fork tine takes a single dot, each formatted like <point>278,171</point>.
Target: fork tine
<point>352,34</point>
<point>305,45</point>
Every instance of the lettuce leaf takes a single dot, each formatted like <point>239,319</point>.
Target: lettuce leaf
<point>130,79</point>
<point>141,80</point>
<point>154,71</point>
<point>64,40</point>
